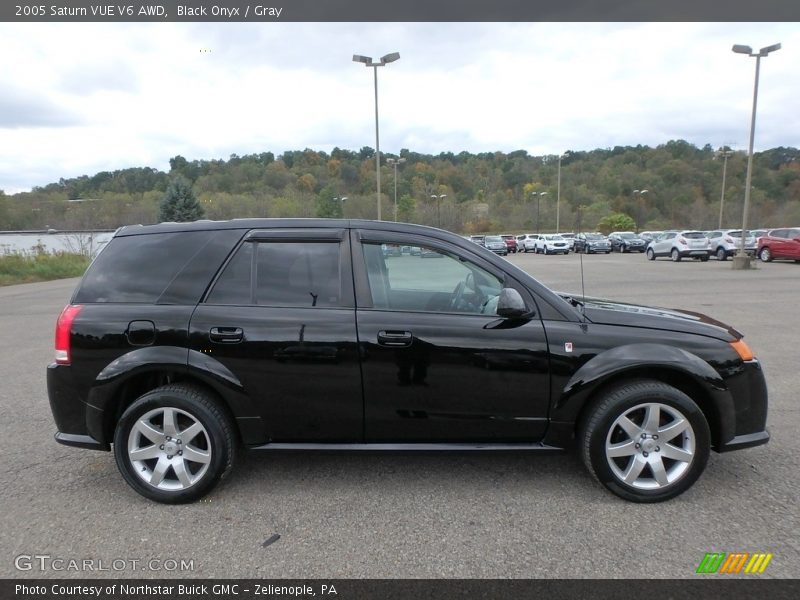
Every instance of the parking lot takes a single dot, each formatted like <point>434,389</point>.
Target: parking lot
<point>376,516</point>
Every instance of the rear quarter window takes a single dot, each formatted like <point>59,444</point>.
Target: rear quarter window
<point>157,268</point>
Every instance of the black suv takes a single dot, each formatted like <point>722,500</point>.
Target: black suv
<point>185,342</point>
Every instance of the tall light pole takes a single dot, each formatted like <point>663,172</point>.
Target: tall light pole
<point>538,201</point>
<point>741,260</point>
<point>394,162</point>
<point>558,194</point>
<point>367,60</point>
<point>638,194</point>
<point>439,197</point>
<point>724,154</point>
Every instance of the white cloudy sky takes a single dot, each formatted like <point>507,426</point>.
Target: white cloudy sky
<point>80,98</point>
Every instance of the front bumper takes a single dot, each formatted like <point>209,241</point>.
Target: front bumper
<point>80,441</point>
<point>745,441</point>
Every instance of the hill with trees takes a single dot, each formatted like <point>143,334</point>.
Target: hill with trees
<point>490,191</point>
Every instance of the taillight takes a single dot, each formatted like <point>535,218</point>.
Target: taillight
<point>63,328</point>
<point>682,241</point>
<point>729,240</point>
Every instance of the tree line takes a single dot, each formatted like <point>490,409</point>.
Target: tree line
<point>464,192</point>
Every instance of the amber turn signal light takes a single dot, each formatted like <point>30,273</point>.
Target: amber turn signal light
<point>743,350</point>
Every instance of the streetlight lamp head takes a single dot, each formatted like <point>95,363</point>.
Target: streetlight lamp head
<point>742,49</point>
<point>644,191</point>
<point>391,57</point>
<point>768,49</point>
<point>636,191</point>
<point>362,59</point>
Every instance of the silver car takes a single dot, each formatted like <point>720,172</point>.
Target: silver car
<point>726,242</point>
<point>680,244</point>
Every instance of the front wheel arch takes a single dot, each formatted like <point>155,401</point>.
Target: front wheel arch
<point>680,380</point>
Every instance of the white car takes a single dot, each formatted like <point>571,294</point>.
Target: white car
<point>527,242</point>
<point>680,244</point>
<point>551,243</point>
<point>570,237</point>
<point>726,242</point>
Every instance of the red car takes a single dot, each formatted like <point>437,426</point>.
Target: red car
<point>511,242</point>
<point>780,243</point>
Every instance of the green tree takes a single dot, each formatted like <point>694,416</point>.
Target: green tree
<point>179,203</point>
<point>615,222</point>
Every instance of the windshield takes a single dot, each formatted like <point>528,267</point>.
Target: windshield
<point>493,238</point>
<point>694,235</point>
<point>553,237</point>
<point>594,236</point>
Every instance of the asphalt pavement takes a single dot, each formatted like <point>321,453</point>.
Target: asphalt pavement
<point>388,516</point>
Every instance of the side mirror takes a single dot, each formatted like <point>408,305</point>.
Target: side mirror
<point>510,305</point>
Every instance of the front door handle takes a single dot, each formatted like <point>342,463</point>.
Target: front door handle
<point>226,335</point>
<point>396,339</point>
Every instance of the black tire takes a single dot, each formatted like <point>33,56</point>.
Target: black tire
<point>765,254</point>
<point>598,429</point>
<point>623,248</point>
<point>722,254</point>
<point>218,439</point>
<point>546,251</point>
<point>675,255</point>
<point>651,255</point>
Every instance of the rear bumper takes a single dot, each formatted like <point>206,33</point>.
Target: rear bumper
<point>694,253</point>
<point>71,414</point>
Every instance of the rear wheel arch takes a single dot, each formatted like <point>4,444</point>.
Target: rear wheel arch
<point>141,383</point>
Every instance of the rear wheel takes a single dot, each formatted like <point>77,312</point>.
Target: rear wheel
<point>722,254</point>
<point>651,255</point>
<point>174,444</point>
<point>675,255</point>
<point>645,441</point>
<point>765,254</point>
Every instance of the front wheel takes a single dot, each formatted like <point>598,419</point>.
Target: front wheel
<point>174,444</point>
<point>645,441</point>
<point>651,255</point>
<point>765,255</point>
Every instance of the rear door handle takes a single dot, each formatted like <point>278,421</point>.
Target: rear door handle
<point>226,335</point>
<point>395,339</point>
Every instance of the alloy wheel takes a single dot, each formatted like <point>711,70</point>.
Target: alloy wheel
<point>650,446</point>
<point>169,449</point>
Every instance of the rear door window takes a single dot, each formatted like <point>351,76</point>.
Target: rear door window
<point>291,274</point>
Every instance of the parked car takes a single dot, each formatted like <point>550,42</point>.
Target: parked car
<point>649,236</point>
<point>478,239</point>
<point>680,244</point>
<point>496,244</point>
<point>511,242</point>
<point>551,243</point>
<point>527,242</point>
<point>186,342</point>
<point>626,241</point>
<point>724,243</point>
<point>781,243</point>
<point>570,237</point>
<point>591,243</point>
